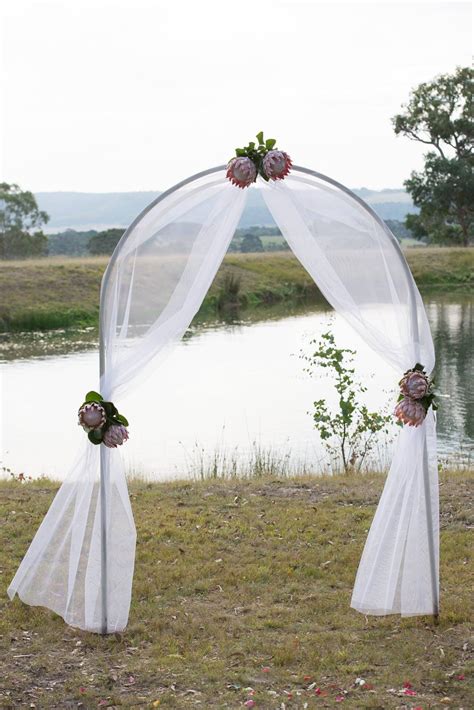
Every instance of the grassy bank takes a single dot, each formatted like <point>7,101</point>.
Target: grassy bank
<point>59,292</point>
<point>241,593</point>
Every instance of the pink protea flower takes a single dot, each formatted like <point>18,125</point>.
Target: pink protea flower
<point>414,384</point>
<point>241,172</point>
<point>410,411</point>
<point>91,416</point>
<point>277,164</point>
<point>115,436</point>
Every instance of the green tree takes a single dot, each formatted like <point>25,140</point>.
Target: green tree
<point>251,242</point>
<point>105,242</point>
<point>20,224</point>
<point>70,242</point>
<point>440,114</point>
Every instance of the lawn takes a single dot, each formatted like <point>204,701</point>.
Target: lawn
<point>241,599</point>
<point>60,292</point>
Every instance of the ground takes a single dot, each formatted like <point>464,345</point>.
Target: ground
<point>241,599</point>
<point>59,292</point>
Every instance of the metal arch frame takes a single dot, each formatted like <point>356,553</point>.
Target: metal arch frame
<point>105,279</point>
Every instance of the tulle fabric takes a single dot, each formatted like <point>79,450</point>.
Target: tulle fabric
<point>62,567</point>
<point>395,572</point>
<point>358,267</point>
<point>155,284</point>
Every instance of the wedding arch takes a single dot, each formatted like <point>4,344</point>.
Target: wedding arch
<point>80,562</point>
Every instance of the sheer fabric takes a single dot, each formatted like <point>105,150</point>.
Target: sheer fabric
<point>359,268</point>
<point>154,285</point>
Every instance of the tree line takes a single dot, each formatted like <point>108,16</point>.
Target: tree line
<point>439,114</point>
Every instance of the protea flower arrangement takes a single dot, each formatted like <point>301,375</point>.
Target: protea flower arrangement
<point>241,172</point>
<point>410,411</point>
<point>277,164</point>
<point>115,435</point>
<point>262,159</point>
<point>92,416</point>
<point>102,421</point>
<point>414,384</point>
<point>416,396</point>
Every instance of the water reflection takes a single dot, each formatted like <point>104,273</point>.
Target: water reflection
<point>452,326</point>
<point>41,344</point>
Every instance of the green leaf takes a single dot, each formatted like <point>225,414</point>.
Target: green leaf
<point>251,145</point>
<point>260,137</point>
<point>122,419</point>
<point>93,397</point>
<point>95,436</point>
<point>269,143</point>
<point>110,409</point>
<point>240,152</point>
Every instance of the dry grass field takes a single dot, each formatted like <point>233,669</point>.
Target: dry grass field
<point>241,599</point>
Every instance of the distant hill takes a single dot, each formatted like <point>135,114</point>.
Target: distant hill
<point>84,211</point>
<point>388,203</point>
<point>92,210</point>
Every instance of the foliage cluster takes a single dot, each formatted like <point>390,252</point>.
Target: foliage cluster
<point>20,224</point>
<point>348,430</point>
<point>105,242</point>
<point>440,114</point>
<point>112,414</point>
<point>70,242</point>
<point>256,152</point>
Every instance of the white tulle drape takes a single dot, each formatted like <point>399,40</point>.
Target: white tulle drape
<point>155,283</point>
<point>358,267</point>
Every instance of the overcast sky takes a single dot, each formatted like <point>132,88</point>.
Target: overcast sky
<point>105,95</point>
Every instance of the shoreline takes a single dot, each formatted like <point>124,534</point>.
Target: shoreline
<point>56,292</point>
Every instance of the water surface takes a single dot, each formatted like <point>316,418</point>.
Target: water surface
<point>230,394</point>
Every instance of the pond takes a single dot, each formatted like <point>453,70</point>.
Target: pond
<point>233,396</point>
